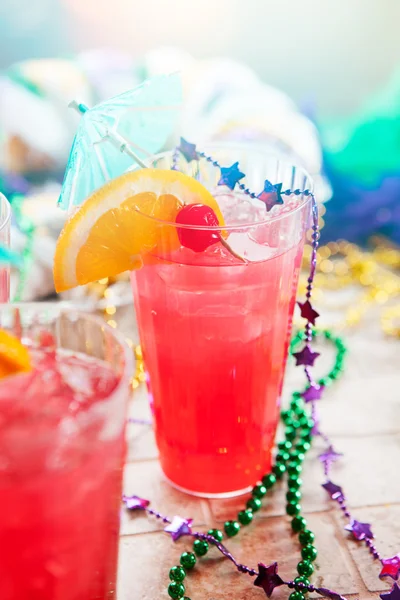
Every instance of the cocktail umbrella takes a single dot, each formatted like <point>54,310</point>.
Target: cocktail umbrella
<point>119,133</point>
<point>9,257</point>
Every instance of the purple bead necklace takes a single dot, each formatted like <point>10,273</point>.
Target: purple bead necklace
<point>300,430</point>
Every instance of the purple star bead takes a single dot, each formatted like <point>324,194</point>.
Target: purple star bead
<point>305,357</point>
<point>135,503</point>
<point>330,594</point>
<point>268,578</point>
<point>394,593</point>
<point>179,527</point>
<point>391,567</point>
<point>335,491</point>
<point>361,531</point>
<point>271,195</point>
<point>313,392</point>
<point>330,455</point>
<point>188,150</point>
<point>230,176</point>
<point>307,312</point>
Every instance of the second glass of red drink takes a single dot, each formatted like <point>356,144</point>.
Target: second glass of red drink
<point>62,447</point>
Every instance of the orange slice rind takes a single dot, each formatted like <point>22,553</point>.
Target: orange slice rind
<point>14,356</point>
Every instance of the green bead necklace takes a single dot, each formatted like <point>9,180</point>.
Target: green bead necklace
<point>289,460</point>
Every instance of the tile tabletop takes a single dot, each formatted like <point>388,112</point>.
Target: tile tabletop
<point>361,413</point>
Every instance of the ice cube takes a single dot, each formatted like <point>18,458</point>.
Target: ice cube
<point>246,247</point>
<point>240,209</point>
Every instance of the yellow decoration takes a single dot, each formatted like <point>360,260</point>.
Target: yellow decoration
<point>391,321</point>
<point>341,266</point>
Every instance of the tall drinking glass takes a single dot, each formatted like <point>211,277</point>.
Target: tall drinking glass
<point>5,226</point>
<point>215,329</point>
<point>62,446</point>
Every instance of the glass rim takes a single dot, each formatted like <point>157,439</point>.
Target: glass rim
<point>7,218</point>
<point>70,310</point>
<point>242,226</point>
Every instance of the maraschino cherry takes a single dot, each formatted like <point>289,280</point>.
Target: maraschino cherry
<point>197,240</point>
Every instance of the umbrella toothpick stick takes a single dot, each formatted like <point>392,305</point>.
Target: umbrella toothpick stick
<point>113,136</point>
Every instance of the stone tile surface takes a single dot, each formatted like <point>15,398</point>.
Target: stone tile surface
<point>361,414</point>
<point>360,459</point>
<point>385,522</point>
<point>145,479</point>
<point>145,562</point>
<point>368,409</point>
<point>140,436</point>
<point>375,355</point>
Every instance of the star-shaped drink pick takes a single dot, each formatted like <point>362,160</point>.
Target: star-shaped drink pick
<point>188,150</point>
<point>394,593</point>
<point>391,567</point>
<point>335,491</point>
<point>271,195</point>
<point>179,527</point>
<point>135,503</point>
<point>361,531</point>
<point>313,392</point>
<point>306,357</point>
<point>268,578</point>
<point>230,176</point>
<point>307,312</point>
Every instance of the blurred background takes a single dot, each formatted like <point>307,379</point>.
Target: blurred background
<point>334,52</point>
<point>316,82</point>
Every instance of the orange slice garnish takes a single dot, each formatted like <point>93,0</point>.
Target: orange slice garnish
<point>112,232</point>
<point>14,356</point>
